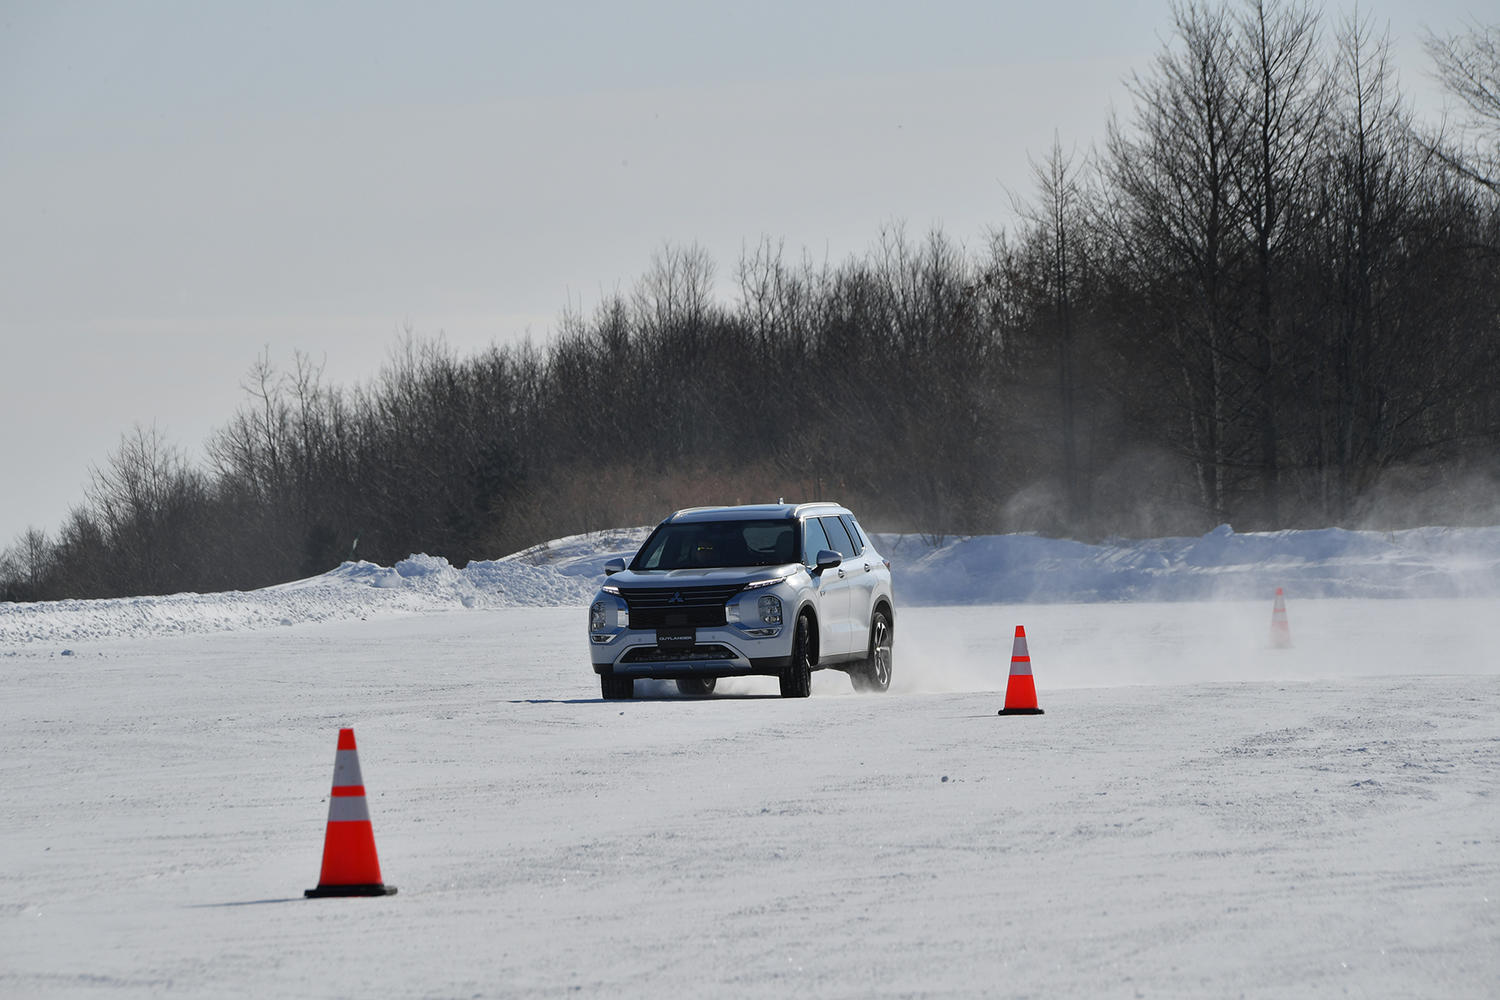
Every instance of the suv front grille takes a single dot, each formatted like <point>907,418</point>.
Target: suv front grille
<point>655,607</point>
<point>650,654</point>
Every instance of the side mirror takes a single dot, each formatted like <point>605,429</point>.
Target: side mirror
<point>614,566</point>
<point>827,559</point>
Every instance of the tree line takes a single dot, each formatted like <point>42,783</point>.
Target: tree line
<point>1270,297</point>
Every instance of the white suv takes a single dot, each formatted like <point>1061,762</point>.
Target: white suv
<point>778,590</point>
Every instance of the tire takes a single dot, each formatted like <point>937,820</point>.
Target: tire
<point>696,687</point>
<point>616,688</point>
<point>874,674</point>
<point>796,679</point>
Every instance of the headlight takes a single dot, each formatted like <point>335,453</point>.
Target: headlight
<point>770,609</point>
<point>596,617</point>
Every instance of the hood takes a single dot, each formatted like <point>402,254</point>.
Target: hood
<point>700,577</point>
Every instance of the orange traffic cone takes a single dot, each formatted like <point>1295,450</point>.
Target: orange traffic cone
<point>1281,632</point>
<point>1020,690</point>
<point>350,867</point>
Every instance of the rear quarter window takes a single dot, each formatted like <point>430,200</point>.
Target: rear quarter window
<point>838,536</point>
<point>855,534</point>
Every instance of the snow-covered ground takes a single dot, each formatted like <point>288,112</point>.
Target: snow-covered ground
<point>1196,814</point>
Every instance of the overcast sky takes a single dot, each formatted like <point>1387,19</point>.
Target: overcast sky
<point>183,185</point>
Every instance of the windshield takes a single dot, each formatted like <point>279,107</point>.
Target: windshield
<point>705,544</point>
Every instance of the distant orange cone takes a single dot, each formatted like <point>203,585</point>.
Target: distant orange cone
<point>350,867</point>
<point>1281,632</point>
<point>1020,690</point>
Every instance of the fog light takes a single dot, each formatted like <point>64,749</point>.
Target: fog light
<point>770,609</point>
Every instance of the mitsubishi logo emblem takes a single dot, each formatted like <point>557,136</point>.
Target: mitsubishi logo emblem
<point>676,598</point>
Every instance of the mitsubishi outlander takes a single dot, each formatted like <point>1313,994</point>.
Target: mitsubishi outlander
<point>777,590</point>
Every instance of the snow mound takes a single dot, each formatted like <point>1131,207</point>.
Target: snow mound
<point>584,555</point>
<point>988,569</point>
<point>1221,565</point>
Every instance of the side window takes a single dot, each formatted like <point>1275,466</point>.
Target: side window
<point>854,534</point>
<point>813,541</point>
<point>839,538</point>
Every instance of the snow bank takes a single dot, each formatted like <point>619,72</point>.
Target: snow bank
<point>991,569</point>
<point>1221,565</point>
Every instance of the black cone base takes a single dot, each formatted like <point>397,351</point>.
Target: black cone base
<point>1020,711</point>
<point>375,889</point>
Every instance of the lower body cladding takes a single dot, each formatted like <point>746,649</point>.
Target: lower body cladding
<point>674,654</point>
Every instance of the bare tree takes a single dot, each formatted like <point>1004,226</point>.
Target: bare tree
<point>1178,228</point>
<point>1468,65</point>
<point>144,500</point>
<point>27,567</point>
<point>1056,236</point>
<point>1284,98</point>
<point>1371,190</point>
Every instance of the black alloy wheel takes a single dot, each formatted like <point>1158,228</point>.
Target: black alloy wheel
<point>874,674</point>
<point>796,679</point>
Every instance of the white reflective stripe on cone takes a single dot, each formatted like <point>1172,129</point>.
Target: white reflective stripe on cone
<point>346,768</point>
<point>348,809</point>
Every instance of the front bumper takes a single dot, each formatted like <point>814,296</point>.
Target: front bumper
<point>724,651</point>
